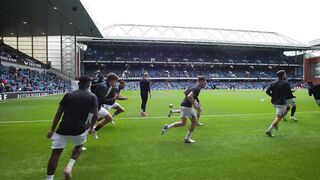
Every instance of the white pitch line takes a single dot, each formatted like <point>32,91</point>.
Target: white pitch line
<point>33,121</point>
<point>165,117</point>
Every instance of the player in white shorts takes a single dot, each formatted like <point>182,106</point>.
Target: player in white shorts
<point>291,104</point>
<point>178,111</point>
<point>187,111</point>
<point>279,91</point>
<point>75,107</point>
<point>104,114</point>
<point>113,104</point>
<point>101,90</point>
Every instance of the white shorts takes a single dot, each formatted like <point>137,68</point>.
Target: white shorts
<point>113,106</point>
<point>318,101</point>
<point>102,113</point>
<point>187,112</point>
<point>291,102</point>
<point>60,141</point>
<point>281,110</point>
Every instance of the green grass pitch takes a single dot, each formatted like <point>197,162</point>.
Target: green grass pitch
<point>231,145</point>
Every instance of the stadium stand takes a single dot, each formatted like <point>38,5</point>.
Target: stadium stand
<point>177,54</point>
<point>183,84</point>
<point>253,68</point>
<point>227,71</point>
<point>16,79</point>
<point>174,56</point>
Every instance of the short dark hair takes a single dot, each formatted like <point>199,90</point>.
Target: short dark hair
<point>122,81</point>
<point>201,78</point>
<point>145,74</point>
<point>112,76</point>
<point>98,79</point>
<point>281,73</point>
<point>84,79</point>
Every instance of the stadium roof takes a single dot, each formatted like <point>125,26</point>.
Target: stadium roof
<point>315,42</point>
<point>194,35</point>
<point>46,17</point>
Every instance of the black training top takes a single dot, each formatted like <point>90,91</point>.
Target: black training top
<point>279,91</point>
<point>144,86</point>
<point>77,105</point>
<point>110,96</point>
<point>100,90</point>
<point>196,91</point>
<point>315,91</point>
<point>110,100</point>
<point>290,95</point>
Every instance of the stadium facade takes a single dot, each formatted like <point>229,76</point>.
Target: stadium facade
<point>182,53</point>
<point>61,34</point>
<point>46,31</point>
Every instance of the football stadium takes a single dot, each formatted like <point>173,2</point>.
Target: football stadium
<point>248,99</point>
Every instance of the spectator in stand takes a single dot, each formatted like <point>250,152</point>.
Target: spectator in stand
<point>28,80</point>
<point>2,90</point>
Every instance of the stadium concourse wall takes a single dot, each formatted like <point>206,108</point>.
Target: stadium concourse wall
<point>312,70</point>
<point>60,74</point>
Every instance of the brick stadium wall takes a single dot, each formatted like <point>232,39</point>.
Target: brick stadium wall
<point>307,70</point>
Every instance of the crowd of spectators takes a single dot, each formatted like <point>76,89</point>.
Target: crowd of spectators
<point>192,71</point>
<point>186,54</point>
<point>178,61</point>
<point>15,79</point>
<point>232,85</point>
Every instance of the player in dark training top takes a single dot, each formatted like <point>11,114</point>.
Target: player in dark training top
<point>291,104</point>
<point>144,91</point>
<point>279,91</point>
<point>113,104</point>
<point>75,107</point>
<point>102,91</point>
<point>178,111</point>
<point>315,91</point>
<point>191,94</point>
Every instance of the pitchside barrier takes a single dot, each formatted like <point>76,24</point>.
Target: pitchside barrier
<point>27,94</point>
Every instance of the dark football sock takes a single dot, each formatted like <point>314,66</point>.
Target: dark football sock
<point>293,110</point>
